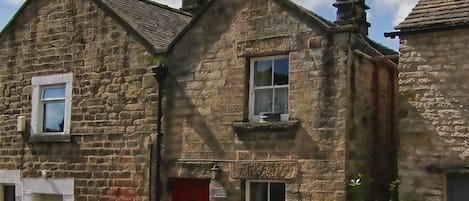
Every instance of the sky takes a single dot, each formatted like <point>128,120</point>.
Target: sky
<point>383,15</point>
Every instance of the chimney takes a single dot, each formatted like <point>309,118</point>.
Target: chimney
<point>192,6</point>
<point>353,12</point>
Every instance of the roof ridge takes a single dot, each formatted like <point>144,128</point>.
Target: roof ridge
<point>436,14</point>
<point>443,4</point>
<point>164,6</point>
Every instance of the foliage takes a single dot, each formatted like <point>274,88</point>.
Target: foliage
<point>357,188</point>
<point>393,186</point>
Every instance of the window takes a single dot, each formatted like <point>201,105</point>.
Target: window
<point>269,86</point>
<point>265,191</point>
<point>457,185</point>
<point>51,104</point>
<point>7,193</point>
<point>9,181</point>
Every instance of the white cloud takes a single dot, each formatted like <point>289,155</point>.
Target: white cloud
<point>170,3</point>
<point>13,2</point>
<point>398,8</point>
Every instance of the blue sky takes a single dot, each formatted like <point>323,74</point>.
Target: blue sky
<point>383,15</point>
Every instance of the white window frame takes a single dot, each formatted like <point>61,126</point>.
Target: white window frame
<point>256,118</point>
<point>37,111</point>
<point>248,187</point>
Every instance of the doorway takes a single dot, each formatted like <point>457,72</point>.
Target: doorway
<point>190,189</point>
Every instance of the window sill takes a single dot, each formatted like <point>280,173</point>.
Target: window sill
<point>50,138</point>
<point>266,126</point>
<point>248,130</point>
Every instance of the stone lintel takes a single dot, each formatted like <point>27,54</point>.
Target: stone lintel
<point>272,45</point>
<point>265,170</point>
<point>438,168</point>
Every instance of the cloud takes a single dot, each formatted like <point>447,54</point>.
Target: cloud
<point>13,2</point>
<point>170,3</point>
<point>398,8</point>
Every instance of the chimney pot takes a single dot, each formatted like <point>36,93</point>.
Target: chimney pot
<point>352,13</point>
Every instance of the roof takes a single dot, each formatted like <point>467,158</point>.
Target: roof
<point>157,23</point>
<point>373,48</point>
<point>161,26</point>
<point>437,14</point>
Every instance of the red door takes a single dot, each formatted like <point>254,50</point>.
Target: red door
<point>190,189</point>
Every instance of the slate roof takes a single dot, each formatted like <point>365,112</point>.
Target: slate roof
<point>372,48</point>
<point>162,26</point>
<point>157,23</point>
<point>437,14</point>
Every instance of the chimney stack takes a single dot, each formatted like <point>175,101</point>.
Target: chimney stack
<point>353,12</point>
<point>192,6</point>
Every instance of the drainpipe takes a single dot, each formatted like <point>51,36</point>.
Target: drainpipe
<point>160,73</point>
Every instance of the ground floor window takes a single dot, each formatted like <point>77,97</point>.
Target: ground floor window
<point>456,186</point>
<point>265,191</point>
<point>7,193</point>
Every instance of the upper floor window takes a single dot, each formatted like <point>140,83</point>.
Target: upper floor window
<point>269,86</point>
<point>51,104</point>
<point>265,191</point>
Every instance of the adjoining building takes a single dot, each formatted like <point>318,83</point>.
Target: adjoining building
<point>265,100</point>
<point>433,124</point>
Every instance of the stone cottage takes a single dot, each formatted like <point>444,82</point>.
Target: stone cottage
<point>76,72</point>
<point>264,100</point>
<point>433,125</point>
<point>330,86</point>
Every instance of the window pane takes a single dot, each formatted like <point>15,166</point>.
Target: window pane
<point>263,73</point>
<point>54,113</point>
<point>277,192</point>
<point>8,193</point>
<point>258,191</point>
<point>281,101</point>
<point>263,101</point>
<point>457,187</point>
<point>54,92</point>
<point>281,71</point>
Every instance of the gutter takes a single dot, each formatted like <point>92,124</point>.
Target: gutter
<point>424,29</point>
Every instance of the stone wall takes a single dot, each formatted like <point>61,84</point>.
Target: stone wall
<point>433,109</point>
<point>209,94</point>
<point>113,100</point>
